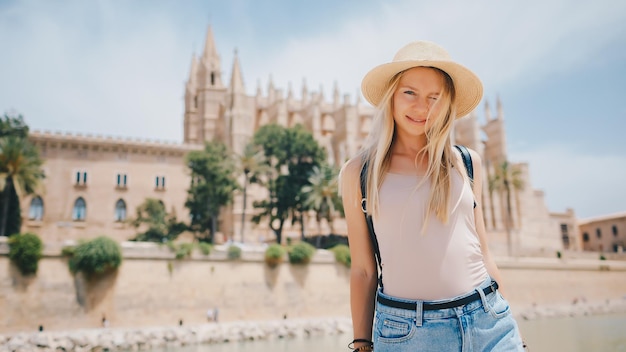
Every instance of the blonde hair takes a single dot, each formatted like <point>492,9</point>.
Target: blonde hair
<point>376,151</point>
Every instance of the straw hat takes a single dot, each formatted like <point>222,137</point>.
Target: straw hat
<point>469,89</point>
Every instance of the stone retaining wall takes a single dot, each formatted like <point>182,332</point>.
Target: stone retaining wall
<point>153,289</point>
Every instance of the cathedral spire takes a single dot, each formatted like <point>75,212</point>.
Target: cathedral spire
<point>289,91</point>
<point>210,51</point>
<point>487,111</point>
<point>193,72</point>
<point>259,91</point>
<point>500,113</point>
<point>236,78</point>
<point>210,71</point>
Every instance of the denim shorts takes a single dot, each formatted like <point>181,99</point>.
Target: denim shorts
<point>485,324</point>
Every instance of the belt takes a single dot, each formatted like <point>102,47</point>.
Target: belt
<point>436,306</point>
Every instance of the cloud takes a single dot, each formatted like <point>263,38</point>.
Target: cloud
<point>119,67</point>
<point>502,41</point>
<point>590,184</point>
<point>95,69</point>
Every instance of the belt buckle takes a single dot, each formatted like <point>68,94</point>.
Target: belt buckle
<point>493,289</point>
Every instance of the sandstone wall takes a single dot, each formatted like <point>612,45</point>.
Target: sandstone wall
<point>161,291</point>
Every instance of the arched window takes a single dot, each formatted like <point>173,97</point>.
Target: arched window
<point>120,210</point>
<point>36,209</point>
<point>80,210</point>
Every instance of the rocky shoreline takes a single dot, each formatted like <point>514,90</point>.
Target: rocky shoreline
<point>142,339</point>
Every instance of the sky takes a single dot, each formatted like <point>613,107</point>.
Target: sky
<point>116,67</point>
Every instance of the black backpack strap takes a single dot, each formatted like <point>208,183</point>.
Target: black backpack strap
<point>370,223</point>
<point>467,161</point>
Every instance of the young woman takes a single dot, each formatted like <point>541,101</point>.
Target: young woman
<point>438,288</point>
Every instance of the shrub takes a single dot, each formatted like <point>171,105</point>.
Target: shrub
<point>68,251</point>
<point>234,252</point>
<point>97,256</point>
<point>326,241</point>
<point>602,257</point>
<point>274,255</point>
<point>301,253</point>
<point>184,250</point>
<point>558,254</point>
<point>25,251</point>
<point>342,254</point>
<point>205,248</point>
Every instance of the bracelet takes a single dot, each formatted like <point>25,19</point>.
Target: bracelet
<point>368,347</point>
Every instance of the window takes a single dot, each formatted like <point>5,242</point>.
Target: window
<point>80,210</point>
<point>598,233</point>
<point>564,236</point>
<point>585,237</point>
<point>614,230</point>
<point>36,209</point>
<point>120,180</point>
<point>81,178</point>
<point>120,210</point>
<point>160,182</point>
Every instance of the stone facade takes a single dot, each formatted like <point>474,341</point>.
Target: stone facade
<point>604,233</point>
<point>119,173</point>
<point>93,183</point>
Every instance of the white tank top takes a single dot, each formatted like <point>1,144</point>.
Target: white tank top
<point>444,262</point>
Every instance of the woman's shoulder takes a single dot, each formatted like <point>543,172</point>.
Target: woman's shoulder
<point>352,168</point>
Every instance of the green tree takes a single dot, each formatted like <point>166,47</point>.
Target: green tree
<point>14,213</point>
<point>252,164</point>
<point>161,226</point>
<point>506,180</point>
<point>212,186</point>
<point>291,154</point>
<point>322,196</point>
<point>11,125</point>
<point>20,172</point>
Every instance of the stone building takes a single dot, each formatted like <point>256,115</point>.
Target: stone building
<point>93,183</point>
<point>604,233</point>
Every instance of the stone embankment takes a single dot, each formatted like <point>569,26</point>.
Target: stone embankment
<point>127,339</point>
<point>141,339</point>
<point>577,308</point>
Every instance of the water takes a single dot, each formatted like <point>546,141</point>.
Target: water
<point>600,333</point>
<point>603,333</point>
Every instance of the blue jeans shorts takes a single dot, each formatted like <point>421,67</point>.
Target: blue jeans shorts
<point>485,324</point>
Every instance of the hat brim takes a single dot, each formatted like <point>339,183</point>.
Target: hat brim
<point>467,86</point>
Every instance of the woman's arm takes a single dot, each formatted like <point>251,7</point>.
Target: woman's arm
<point>492,268</point>
<point>363,272</point>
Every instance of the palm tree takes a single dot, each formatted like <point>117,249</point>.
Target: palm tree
<point>20,168</point>
<point>507,179</point>
<point>322,196</point>
<point>252,164</point>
